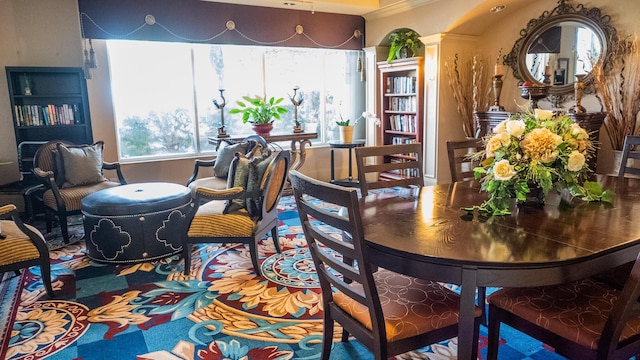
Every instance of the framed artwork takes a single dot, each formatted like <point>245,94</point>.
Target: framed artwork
<point>560,73</point>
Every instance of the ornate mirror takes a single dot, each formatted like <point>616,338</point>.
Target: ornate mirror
<point>561,44</point>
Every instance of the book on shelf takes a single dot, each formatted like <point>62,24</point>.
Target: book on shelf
<point>402,122</point>
<point>44,115</point>
<point>401,85</point>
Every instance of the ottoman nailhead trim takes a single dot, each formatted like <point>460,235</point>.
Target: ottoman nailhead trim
<point>137,215</point>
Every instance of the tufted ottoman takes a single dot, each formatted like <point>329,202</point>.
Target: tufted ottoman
<point>136,222</point>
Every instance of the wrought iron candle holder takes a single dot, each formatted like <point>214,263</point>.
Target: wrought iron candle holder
<point>296,127</point>
<point>222,133</point>
<point>497,89</point>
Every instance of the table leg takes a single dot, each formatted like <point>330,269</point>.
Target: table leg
<point>298,155</point>
<point>466,328</point>
<point>350,173</point>
<point>332,167</point>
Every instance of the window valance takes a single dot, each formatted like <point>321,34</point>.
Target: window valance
<point>218,23</point>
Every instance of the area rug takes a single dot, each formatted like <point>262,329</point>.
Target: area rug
<point>222,310</point>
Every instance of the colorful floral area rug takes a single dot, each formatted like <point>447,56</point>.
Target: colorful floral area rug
<point>222,310</point>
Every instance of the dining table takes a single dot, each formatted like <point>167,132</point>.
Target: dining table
<point>435,233</point>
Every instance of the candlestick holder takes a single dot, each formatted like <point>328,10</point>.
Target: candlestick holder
<point>497,89</point>
<point>222,133</point>
<point>578,92</point>
<point>296,127</point>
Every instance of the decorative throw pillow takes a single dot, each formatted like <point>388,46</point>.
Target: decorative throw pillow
<point>225,156</point>
<point>79,164</point>
<point>243,167</point>
<point>257,168</point>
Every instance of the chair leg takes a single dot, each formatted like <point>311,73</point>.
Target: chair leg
<point>482,303</point>
<point>253,249</point>
<point>186,255</point>
<point>494,334</point>
<point>48,220</point>
<point>62,219</point>
<point>274,236</point>
<point>45,271</point>
<point>327,335</point>
<point>17,272</point>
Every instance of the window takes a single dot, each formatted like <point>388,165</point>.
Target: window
<point>164,93</point>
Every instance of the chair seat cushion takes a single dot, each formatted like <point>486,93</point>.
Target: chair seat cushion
<point>410,306</point>
<point>16,246</point>
<point>211,221</point>
<point>576,311</point>
<point>73,196</point>
<point>208,182</point>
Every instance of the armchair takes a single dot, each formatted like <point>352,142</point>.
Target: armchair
<point>22,246</point>
<point>243,213</point>
<point>69,173</point>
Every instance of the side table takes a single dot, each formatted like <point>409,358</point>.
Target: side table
<point>336,144</point>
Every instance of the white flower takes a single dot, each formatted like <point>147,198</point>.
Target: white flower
<point>578,132</point>
<point>368,115</point>
<point>500,128</point>
<point>543,114</point>
<point>515,128</point>
<point>576,161</point>
<point>503,171</point>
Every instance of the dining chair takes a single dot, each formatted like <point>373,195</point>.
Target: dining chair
<point>460,163</point>
<point>586,319</point>
<point>389,166</point>
<point>631,143</point>
<point>244,212</point>
<point>387,312</point>
<point>69,172</point>
<point>22,246</point>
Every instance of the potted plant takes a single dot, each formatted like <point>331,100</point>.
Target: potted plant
<point>259,111</point>
<point>403,39</point>
<point>346,126</point>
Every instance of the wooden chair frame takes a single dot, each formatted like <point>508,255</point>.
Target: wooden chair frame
<point>411,162</point>
<point>460,165</point>
<point>630,142</point>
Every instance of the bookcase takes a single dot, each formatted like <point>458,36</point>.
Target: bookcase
<point>401,105</point>
<point>47,103</point>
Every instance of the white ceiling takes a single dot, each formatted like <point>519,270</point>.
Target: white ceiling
<point>351,7</point>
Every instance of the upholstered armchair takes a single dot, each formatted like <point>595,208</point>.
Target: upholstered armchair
<point>220,164</point>
<point>244,212</point>
<point>22,246</point>
<point>69,173</point>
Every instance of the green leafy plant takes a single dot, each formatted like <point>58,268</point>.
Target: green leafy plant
<point>535,150</point>
<point>343,122</point>
<point>258,110</point>
<point>403,39</point>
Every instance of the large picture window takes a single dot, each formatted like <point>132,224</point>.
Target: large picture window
<point>163,93</point>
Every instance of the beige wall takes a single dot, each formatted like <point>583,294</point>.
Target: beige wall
<point>47,33</point>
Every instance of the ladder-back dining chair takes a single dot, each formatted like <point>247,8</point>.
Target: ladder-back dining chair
<point>631,143</point>
<point>389,166</point>
<point>460,163</point>
<point>389,313</point>
<point>586,319</point>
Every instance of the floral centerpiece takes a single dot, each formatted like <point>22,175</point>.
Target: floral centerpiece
<point>529,151</point>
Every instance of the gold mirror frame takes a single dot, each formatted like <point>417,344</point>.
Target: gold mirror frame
<point>590,17</point>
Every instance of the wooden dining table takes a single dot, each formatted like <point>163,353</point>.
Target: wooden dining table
<point>427,233</point>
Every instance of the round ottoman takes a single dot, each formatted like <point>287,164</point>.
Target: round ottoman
<point>136,222</point>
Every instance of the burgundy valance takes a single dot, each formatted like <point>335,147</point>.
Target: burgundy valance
<point>218,23</point>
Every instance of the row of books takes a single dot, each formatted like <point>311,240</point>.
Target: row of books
<point>405,123</point>
<point>397,140</point>
<point>37,115</point>
<point>403,103</point>
<point>404,172</point>
<point>401,85</point>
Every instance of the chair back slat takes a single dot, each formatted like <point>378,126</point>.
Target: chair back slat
<point>460,163</point>
<point>389,166</point>
<point>274,180</point>
<point>630,152</point>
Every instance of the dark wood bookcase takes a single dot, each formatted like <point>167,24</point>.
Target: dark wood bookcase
<point>401,103</point>
<point>47,103</point>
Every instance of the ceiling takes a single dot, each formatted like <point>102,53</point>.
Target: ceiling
<point>351,7</point>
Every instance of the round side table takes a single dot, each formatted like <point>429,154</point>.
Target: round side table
<point>337,144</point>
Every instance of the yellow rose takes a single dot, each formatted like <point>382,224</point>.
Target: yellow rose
<point>515,127</point>
<point>576,161</point>
<point>500,128</point>
<point>542,115</point>
<point>496,142</point>
<point>502,170</point>
<point>578,132</point>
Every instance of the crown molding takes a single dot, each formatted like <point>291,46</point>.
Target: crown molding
<point>397,8</point>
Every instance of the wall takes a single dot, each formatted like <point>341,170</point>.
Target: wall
<point>47,33</point>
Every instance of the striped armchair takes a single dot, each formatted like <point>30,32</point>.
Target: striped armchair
<point>66,184</point>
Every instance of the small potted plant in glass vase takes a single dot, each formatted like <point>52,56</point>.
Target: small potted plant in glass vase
<point>401,42</point>
<point>259,111</point>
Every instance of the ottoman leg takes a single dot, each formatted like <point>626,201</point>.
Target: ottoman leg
<point>186,254</point>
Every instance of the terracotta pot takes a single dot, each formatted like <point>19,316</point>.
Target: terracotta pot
<point>262,129</point>
<point>346,133</point>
